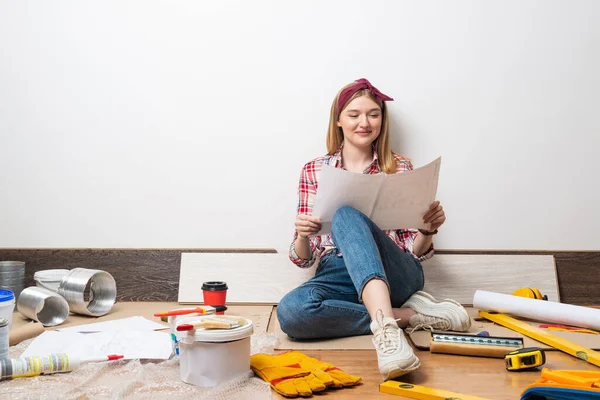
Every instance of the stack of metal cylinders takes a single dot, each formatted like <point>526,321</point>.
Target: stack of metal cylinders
<point>12,277</point>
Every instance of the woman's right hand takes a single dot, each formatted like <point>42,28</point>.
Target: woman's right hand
<point>307,225</point>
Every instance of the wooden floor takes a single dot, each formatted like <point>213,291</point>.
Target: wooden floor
<point>476,376</point>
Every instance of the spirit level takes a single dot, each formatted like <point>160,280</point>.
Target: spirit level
<point>574,349</point>
<point>422,392</point>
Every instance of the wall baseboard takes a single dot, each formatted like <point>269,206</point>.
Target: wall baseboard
<point>141,274</point>
<point>153,274</point>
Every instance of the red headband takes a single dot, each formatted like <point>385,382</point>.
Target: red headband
<point>359,85</point>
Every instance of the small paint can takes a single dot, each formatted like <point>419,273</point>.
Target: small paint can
<point>4,339</point>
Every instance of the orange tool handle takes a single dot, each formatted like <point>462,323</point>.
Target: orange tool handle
<point>180,312</point>
<point>567,378</point>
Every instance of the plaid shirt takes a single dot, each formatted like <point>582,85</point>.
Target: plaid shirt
<point>307,190</point>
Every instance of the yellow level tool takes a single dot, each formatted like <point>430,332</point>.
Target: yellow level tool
<point>574,349</point>
<point>421,392</point>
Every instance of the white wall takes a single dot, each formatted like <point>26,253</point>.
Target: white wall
<point>185,124</point>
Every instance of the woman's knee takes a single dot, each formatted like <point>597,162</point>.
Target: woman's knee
<point>291,311</point>
<point>345,217</point>
<point>345,212</point>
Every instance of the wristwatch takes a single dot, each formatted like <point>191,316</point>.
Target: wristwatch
<point>428,233</point>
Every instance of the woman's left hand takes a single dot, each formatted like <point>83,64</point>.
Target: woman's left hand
<point>435,216</point>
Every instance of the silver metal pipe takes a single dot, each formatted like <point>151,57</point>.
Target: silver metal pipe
<point>43,305</point>
<point>89,291</point>
<point>12,277</point>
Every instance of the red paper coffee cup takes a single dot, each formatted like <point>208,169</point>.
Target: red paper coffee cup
<point>214,293</point>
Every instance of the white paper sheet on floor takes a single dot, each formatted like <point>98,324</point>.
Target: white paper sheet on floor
<point>132,344</point>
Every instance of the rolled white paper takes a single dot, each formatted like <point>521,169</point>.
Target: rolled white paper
<point>539,310</point>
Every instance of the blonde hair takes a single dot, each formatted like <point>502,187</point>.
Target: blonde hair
<point>335,135</point>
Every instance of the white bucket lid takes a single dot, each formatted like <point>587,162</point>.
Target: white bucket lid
<point>214,335</point>
<point>50,275</point>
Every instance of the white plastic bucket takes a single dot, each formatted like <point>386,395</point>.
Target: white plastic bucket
<point>50,278</point>
<point>209,357</point>
<point>7,305</point>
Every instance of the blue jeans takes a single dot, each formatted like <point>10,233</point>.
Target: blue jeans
<point>329,304</point>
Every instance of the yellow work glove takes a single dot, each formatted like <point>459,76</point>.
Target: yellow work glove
<point>285,375</point>
<point>326,372</point>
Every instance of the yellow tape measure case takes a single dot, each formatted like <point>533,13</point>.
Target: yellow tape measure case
<point>525,359</point>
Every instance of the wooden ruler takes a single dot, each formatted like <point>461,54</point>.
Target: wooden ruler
<point>422,392</point>
<point>574,349</point>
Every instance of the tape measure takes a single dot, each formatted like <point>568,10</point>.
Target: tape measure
<point>525,359</point>
<point>530,293</point>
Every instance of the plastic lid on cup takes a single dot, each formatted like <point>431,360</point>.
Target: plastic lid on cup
<point>214,286</point>
<point>6,295</point>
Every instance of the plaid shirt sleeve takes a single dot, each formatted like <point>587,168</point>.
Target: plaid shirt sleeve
<point>307,190</point>
<point>405,238</point>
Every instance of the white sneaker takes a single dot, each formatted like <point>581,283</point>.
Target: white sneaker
<point>445,315</point>
<point>394,355</point>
